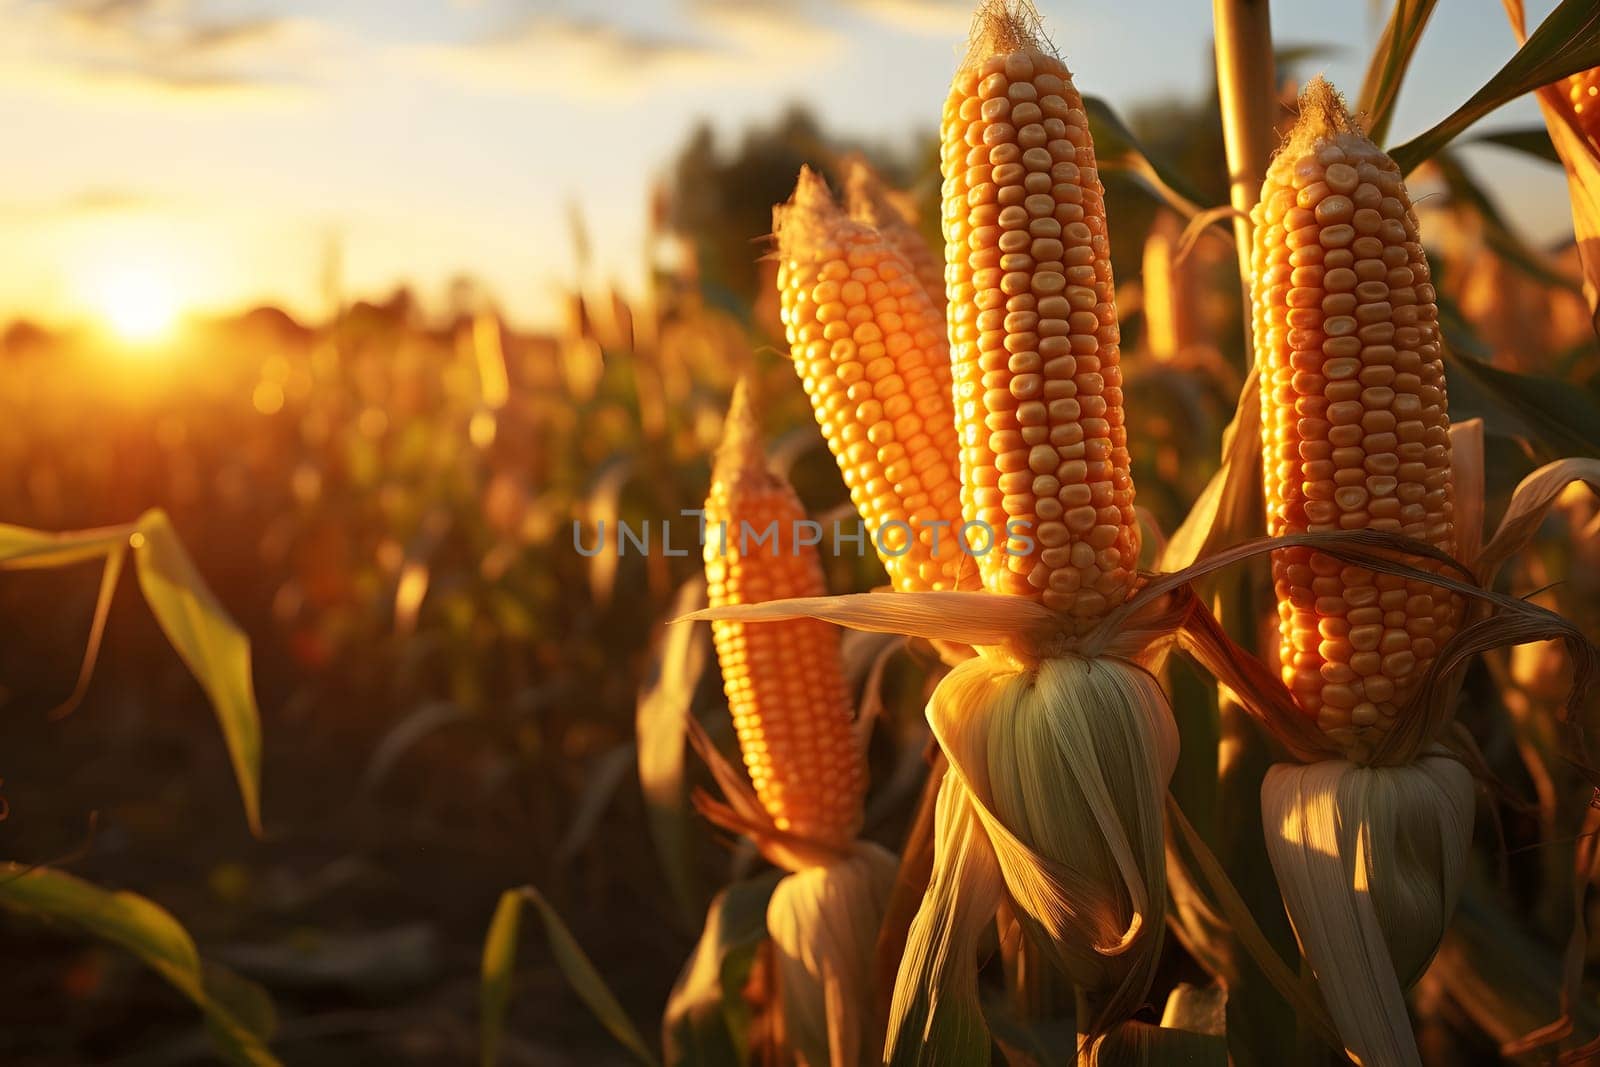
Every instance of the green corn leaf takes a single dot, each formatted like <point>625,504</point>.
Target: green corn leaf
<point>1116,147</point>
<point>24,549</point>
<point>1554,418</point>
<point>1566,42</point>
<point>210,643</point>
<point>238,1013</point>
<point>499,961</point>
<point>1390,61</point>
<point>1532,141</point>
<point>661,725</point>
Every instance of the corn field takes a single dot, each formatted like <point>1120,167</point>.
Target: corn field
<point>1118,593</point>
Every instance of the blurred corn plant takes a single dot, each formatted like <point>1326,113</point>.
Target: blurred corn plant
<point>239,1015</point>
<point>1448,944</point>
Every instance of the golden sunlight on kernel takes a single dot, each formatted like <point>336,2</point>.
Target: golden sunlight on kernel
<point>137,300</point>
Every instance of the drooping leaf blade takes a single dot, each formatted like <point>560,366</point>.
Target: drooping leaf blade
<point>1567,42</point>
<point>1390,61</point>
<point>24,549</point>
<point>1553,417</point>
<point>1116,147</point>
<point>149,932</point>
<point>213,646</point>
<point>499,962</point>
<point>1531,141</point>
<point>1580,158</point>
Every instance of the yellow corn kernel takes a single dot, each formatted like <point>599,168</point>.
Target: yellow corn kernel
<point>784,680</point>
<point>1355,430</point>
<point>894,216</point>
<point>1033,329</point>
<point>870,350</point>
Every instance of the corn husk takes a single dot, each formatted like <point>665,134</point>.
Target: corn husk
<point>1370,862</point>
<point>1057,777</point>
<point>935,1006</point>
<point>824,923</point>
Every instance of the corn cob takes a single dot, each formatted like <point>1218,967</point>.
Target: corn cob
<point>869,348</point>
<point>1033,330</point>
<point>784,680</point>
<point>1583,92</point>
<point>894,217</point>
<point>1355,432</point>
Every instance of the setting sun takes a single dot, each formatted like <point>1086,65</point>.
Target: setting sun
<point>137,301</point>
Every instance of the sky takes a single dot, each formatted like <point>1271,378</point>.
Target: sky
<point>211,152</point>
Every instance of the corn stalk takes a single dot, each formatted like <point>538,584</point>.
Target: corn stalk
<point>1246,84</point>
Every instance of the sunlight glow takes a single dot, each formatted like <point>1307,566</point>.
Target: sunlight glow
<point>138,301</point>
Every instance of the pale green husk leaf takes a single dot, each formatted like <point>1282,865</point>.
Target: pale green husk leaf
<point>1370,862</point>
<point>824,926</point>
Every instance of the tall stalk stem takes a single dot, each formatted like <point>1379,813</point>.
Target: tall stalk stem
<point>1247,89</point>
<point>1247,85</point>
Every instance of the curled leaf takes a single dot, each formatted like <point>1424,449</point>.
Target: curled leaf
<point>1530,503</point>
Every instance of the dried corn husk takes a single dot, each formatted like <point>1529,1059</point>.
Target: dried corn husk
<point>824,924</point>
<point>1370,861</point>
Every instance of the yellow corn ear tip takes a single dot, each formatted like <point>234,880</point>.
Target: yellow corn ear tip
<point>741,455</point>
<point>804,222</point>
<point>893,215</point>
<point>869,199</point>
<point>1323,116</point>
<point>868,344</point>
<point>1355,423</point>
<point>1001,27</point>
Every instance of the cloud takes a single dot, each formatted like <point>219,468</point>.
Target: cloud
<point>170,47</point>
<point>86,202</point>
<point>97,201</point>
<point>720,41</point>
<point>600,38</point>
<point>835,17</point>
<point>929,17</point>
